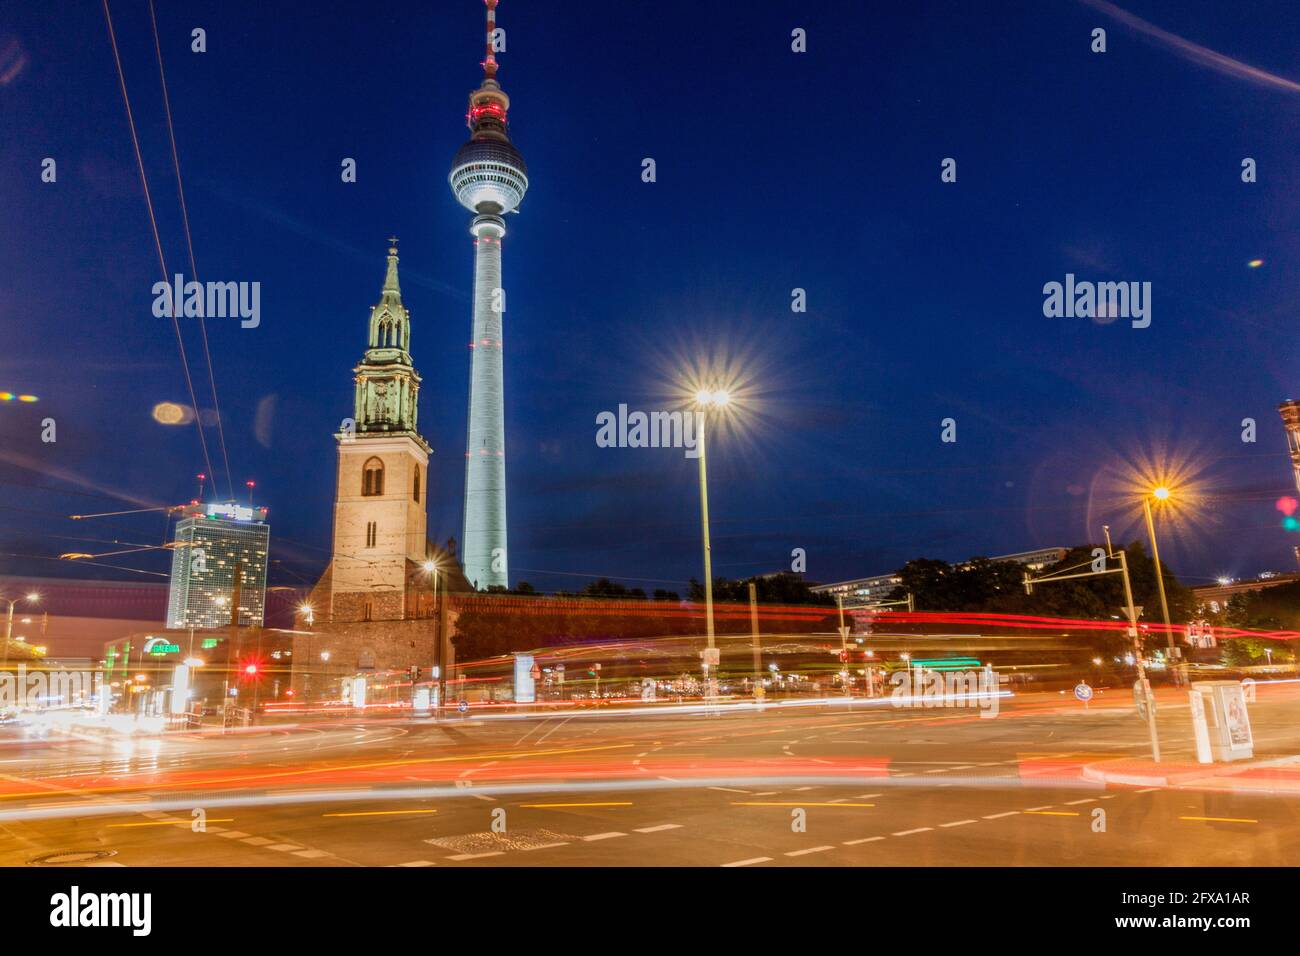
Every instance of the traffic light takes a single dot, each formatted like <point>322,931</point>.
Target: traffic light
<point>416,672</point>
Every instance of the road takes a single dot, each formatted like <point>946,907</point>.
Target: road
<point>826,784</point>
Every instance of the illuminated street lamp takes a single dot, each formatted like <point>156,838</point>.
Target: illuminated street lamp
<point>435,578</point>
<point>706,400</point>
<point>30,598</point>
<point>1161,493</point>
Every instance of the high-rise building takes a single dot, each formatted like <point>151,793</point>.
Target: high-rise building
<point>211,542</point>
<point>383,466</point>
<point>489,178</point>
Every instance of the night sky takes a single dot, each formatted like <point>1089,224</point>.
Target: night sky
<point>775,170</point>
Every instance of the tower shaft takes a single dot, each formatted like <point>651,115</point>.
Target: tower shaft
<point>483,553</point>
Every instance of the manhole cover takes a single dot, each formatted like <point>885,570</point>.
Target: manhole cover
<point>512,840</point>
<point>66,857</point>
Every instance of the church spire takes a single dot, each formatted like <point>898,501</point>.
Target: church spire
<point>390,280</point>
<point>387,385</point>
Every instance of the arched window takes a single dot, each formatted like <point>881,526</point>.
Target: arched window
<point>372,478</point>
<point>417,484</point>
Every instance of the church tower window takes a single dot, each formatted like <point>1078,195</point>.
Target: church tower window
<point>372,478</point>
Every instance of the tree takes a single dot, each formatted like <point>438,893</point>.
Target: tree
<point>781,588</point>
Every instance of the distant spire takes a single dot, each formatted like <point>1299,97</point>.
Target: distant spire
<point>390,280</point>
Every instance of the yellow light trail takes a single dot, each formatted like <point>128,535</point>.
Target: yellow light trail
<point>171,823</point>
<point>376,813</point>
<point>553,806</point>
<point>1220,819</point>
<point>761,803</point>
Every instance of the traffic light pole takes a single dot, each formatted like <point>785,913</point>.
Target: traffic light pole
<point>1143,685</point>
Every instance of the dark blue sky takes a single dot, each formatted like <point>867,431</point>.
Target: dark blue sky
<point>775,170</point>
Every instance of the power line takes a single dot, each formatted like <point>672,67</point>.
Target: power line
<point>153,222</point>
<point>194,269</point>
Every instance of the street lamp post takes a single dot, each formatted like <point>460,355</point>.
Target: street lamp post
<point>31,598</point>
<point>1161,494</point>
<point>435,579</point>
<point>707,399</point>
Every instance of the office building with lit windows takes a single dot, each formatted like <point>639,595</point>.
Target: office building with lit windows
<point>211,543</point>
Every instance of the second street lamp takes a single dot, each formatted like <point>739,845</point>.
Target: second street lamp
<point>1161,493</point>
<point>706,400</point>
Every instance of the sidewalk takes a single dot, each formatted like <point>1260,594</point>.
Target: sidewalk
<point>1277,775</point>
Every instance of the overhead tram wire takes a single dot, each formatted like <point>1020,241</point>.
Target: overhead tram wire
<point>153,222</point>
<point>189,242</point>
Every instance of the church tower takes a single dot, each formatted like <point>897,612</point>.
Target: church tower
<point>379,505</point>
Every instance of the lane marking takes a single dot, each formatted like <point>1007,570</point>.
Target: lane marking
<point>1220,819</point>
<point>999,816</point>
<point>662,826</point>
<point>728,789</point>
<point>256,841</point>
<point>863,840</point>
<point>544,846</point>
<point>1046,806</point>
<point>603,836</point>
<point>750,862</point>
<point>813,849</point>
<point>476,856</point>
<point>1054,813</point>
<point>1147,790</point>
<point>910,832</point>
<point>284,847</point>
<point>412,863</point>
<point>1075,803</point>
<point>233,834</point>
<point>315,854</point>
<point>958,823</point>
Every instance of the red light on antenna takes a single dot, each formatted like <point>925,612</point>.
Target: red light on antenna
<point>250,483</point>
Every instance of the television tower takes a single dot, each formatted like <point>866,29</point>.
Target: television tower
<point>1290,412</point>
<point>489,178</point>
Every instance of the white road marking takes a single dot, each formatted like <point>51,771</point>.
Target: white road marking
<point>417,863</point>
<point>234,834</point>
<point>284,847</point>
<point>957,823</point>
<point>910,832</point>
<point>1036,809</point>
<point>477,856</point>
<point>728,789</point>
<point>256,841</point>
<point>1147,790</point>
<point>863,840</point>
<point>811,849</point>
<point>1075,803</point>
<point>603,836</point>
<point>662,826</point>
<point>317,854</point>
<point>544,846</point>
<point>999,816</point>
<point>750,861</point>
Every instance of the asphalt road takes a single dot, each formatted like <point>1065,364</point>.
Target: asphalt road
<point>826,785</point>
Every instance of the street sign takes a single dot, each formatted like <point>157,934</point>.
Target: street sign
<point>463,706</point>
<point>1137,612</point>
<point>845,630</point>
<point>1083,692</point>
<point>712,656</point>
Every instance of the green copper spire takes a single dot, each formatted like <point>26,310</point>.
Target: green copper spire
<point>387,385</point>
